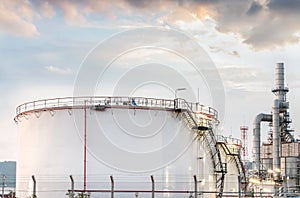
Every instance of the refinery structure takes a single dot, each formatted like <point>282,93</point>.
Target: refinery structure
<point>151,147</point>
<point>276,161</point>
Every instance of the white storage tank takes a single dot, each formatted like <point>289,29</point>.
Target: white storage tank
<point>129,139</point>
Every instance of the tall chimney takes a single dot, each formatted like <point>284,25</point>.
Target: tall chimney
<point>279,90</point>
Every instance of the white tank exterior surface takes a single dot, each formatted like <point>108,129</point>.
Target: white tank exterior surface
<point>129,140</point>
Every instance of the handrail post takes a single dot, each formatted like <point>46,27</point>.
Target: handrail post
<point>3,184</point>
<point>196,186</point>
<point>34,186</point>
<point>153,185</point>
<point>112,186</point>
<point>176,105</point>
<point>84,146</point>
<point>71,194</point>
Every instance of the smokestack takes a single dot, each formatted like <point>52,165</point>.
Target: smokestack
<point>279,90</point>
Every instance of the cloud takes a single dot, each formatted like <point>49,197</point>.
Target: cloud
<point>219,49</point>
<point>58,70</point>
<point>47,9</point>
<point>72,13</point>
<point>245,79</point>
<point>16,18</point>
<point>260,24</point>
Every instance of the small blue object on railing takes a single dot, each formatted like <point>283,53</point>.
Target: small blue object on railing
<point>133,103</point>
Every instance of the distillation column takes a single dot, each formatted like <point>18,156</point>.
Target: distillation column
<point>280,107</point>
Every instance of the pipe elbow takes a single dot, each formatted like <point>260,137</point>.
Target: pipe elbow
<point>262,117</point>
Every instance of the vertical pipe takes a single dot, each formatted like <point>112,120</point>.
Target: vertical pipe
<point>285,179</point>
<point>153,186</point>
<point>34,186</point>
<point>198,101</point>
<point>256,145</point>
<point>276,140</point>
<point>84,160</point>
<point>196,186</point>
<point>256,138</point>
<point>112,186</point>
<point>72,187</point>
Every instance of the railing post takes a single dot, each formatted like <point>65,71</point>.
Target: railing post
<point>71,194</point>
<point>3,184</point>
<point>112,186</point>
<point>84,146</point>
<point>153,186</point>
<point>34,187</point>
<point>196,186</point>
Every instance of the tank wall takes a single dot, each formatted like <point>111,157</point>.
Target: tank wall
<point>131,145</point>
<point>49,148</point>
<point>231,177</point>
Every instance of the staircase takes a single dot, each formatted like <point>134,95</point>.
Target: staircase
<point>236,157</point>
<point>203,127</point>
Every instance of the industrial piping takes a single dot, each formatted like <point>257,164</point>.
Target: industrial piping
<point>276,140</point>
<point>256,138</point>
<point>279,106</point>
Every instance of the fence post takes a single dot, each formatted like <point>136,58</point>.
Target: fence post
<point>34,186</point>
<point>112,186</point>
<point>3,184</point>
<point>153,185</point>
<point>196,186</point>
<point>71,194</point>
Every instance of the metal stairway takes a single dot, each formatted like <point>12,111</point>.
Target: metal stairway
<point>203,127</point>
<point>236,157</point>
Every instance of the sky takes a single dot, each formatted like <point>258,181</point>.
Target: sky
<point>45,44</point>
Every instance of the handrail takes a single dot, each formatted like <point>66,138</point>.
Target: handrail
<point>183,104</point>
<point>229,140</point>
<point>116,101</point>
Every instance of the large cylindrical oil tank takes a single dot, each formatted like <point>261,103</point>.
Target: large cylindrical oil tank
<point>127,140</point>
